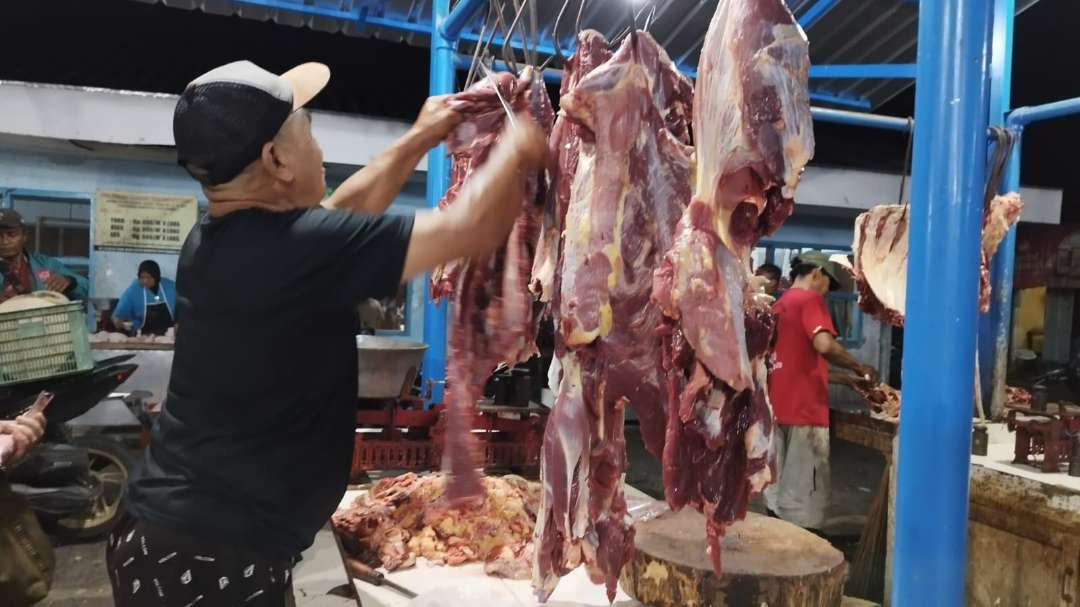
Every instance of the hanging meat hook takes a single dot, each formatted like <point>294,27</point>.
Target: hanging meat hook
<point>555,38</point>
<point>510,34</point>
<point>480,45</point>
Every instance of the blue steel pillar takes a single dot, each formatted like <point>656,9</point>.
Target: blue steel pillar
<point>438,179</point>
<point>995,328</point>
<point>948,177</point>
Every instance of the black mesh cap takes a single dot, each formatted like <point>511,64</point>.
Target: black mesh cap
<point>224,117</point>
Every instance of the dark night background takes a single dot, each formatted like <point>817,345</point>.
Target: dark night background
<point>129,45</point>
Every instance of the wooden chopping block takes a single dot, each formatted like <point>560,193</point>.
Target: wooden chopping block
<point>766,562</point>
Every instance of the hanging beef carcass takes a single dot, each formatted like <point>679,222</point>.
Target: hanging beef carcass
<point>753,137</point>
<point>630,184</point>
<point>493,316</point>
<point>881,253</point>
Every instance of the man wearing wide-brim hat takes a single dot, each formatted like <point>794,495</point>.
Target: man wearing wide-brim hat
<point>798,390</point>
<point>251,452</point>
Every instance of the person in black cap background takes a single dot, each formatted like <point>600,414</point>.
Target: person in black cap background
<point>23,272</point>
<point>149,303</point>
<point>251,452</point>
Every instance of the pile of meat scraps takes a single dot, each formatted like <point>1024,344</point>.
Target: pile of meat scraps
<point>881,253</point>
<point>884,400</point>
<point>494,319</point>
<point>405,517</point>
<point>1017,397</point>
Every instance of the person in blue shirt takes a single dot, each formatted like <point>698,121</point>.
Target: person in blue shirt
<point>149,304</point>
<point>23,272</point>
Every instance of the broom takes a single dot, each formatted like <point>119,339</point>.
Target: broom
<point>867,579</point>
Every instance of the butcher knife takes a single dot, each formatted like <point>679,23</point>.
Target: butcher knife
<point>362,572</point>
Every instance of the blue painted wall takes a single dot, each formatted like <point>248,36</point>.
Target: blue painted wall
<point>33,168</point>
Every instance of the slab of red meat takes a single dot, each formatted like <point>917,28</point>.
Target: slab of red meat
<point>631,182</point>
<point>493,318</point>
<point>881,253</point>
<point>753,137</point>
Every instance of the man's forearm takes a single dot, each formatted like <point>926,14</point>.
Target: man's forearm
<point>837,355</point>
<point>373,188</point>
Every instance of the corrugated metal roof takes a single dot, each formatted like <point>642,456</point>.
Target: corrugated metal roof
<point>841,32</point>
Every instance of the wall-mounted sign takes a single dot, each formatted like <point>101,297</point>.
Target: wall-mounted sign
<point>129,221</point>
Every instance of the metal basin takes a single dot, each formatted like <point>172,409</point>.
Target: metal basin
<point>387,365</point>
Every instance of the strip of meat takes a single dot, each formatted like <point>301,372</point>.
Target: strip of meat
<point>1003,213</point>
<point>754,137</point>
<point>881,253</point>
<point>630,184</point>
<point>493,317</point>
<point>563,148</point>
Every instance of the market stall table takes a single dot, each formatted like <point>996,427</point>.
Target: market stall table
<point>760,560</point>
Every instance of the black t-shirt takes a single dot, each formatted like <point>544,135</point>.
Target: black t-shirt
<point>254,443</point>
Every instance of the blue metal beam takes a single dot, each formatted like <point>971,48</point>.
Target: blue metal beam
<point>438,180</point>
<point>995,328</point>
<point>354,15</point>
<point>400,24</point>
<point>1037,113</point>
<point>462,62</point>
<point>497,41</point>
<point>456,20</point>
<point>815,12</point>
<point>830,97</point>
<point>863,70</point>
<point>948,177</point>
<point>889,123</point>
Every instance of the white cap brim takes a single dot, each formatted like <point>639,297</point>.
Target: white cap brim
<point>306,80</point>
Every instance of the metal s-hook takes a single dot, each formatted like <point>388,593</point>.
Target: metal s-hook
<point>555,37</point>
<point>480,45</point>
<point>577,22</point>
<point>518,8</point>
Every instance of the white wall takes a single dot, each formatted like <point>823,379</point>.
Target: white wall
<point>138,118</point>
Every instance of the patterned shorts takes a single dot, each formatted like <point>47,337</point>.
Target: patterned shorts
<point>153,566</point>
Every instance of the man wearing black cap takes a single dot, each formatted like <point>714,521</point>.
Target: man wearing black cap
<point>251,452</point>
<point>798,389</point>
<point>23,272</point>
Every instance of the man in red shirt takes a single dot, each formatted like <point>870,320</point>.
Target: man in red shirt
<point>798,389</point>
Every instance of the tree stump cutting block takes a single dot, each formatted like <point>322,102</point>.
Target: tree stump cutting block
<point>766,562</point>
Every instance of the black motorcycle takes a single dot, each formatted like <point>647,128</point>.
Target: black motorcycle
<point>75,484</point>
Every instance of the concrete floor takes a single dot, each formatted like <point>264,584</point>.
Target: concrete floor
<point>81,580</point>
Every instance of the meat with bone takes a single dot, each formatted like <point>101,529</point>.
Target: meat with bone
<point>630,184</point>
<point>406,517</point>
<point>881,253</point>
<point>754,136</point>
<point>493,316</point>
